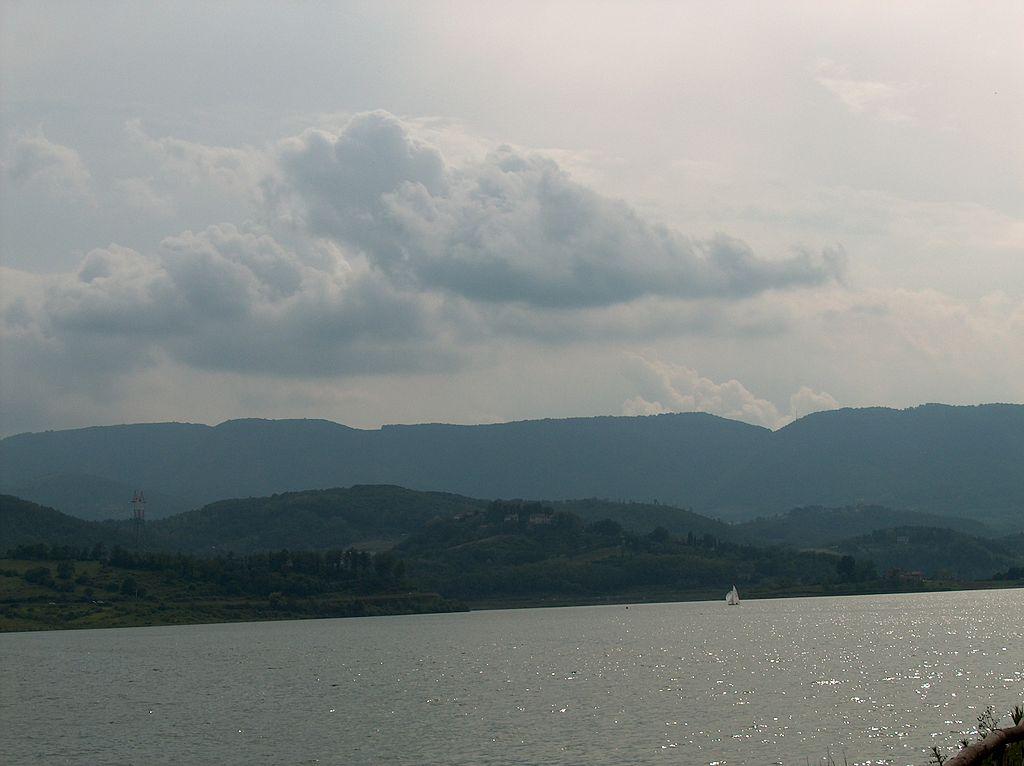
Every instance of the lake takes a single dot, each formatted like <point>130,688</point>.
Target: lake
<point>774,681</point>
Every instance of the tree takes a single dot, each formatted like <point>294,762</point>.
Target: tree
<point>38,575</point>
<point>606,528</point>
<point>659,535</point>
<point>130,587</point>
<point>846,568</point>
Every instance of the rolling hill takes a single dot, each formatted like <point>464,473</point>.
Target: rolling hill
<point>934,551</point>
<point>817,526</point>
<point>374,516</point>
<point>312,520</point>
<point>461,534</point>
<point>26,523</point>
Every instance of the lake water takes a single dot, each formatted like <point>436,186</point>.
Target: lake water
<point>773,681</point>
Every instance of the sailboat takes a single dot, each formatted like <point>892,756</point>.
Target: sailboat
<point>732,598</point>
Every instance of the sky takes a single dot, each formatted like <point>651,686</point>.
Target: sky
<point>481,212</point>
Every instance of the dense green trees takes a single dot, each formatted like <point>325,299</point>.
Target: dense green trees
<point>502,549</point>
<point>520,549</point>
<point>292,572</point>
<point>294,555</point>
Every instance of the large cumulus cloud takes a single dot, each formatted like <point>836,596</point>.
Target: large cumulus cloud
<point>511,228</point>
<point>373,255</point>
<point>232,298</point>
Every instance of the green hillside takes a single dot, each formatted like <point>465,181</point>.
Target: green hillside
<point>816,526</point>
<point>384,549</point>
<point>380,517</point>
<point>374,516</point>
<point>522,549</point>
<point>26,523</point>
<point>311,520</point>
<point>646,517</point>
<point>935,552</point>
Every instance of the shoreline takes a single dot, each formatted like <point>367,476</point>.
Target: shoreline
<point>135,614</point>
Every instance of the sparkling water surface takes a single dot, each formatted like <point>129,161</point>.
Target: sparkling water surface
<point>781,681</point>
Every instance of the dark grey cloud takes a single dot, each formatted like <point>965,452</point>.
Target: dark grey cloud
<point>512,228</point>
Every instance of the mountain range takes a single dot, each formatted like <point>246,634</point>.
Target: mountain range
<point>939,459</point>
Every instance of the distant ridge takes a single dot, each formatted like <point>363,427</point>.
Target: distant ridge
<point>950,460</point>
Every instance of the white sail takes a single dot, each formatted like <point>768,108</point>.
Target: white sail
<point>732,598</point>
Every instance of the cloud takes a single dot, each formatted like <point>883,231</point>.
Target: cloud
<point>883,100</point>
<point>642,320</point>
<point>141,195</point>
<point>238,170</point>
<point>377,257</point>
<point>36,162</point>
<point>235,299</point>
<point>674,388</point>
<point>806,400</point>
<point>512,228</point>
<point>901,335</point>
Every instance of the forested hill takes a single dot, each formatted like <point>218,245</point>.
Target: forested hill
<point>374,516</point>
<point>963,461</point>
<point>26,523</point>
<point>364,515</point>
<point>472,540</point>
<point>937,552</point>
<point>816,526</point>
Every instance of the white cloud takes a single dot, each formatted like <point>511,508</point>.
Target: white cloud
<point>667,387</point>
<point>141,195</point>
<point>238,170</point>
<point>884,100</point>
<point>413,266</point>
<point>36,162</point>
<point>392,250</point>
<point>806,400</point>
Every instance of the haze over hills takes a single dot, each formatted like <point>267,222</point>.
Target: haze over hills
<point>962,461</point>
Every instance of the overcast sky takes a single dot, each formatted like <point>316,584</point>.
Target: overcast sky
<point>478,212</point>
